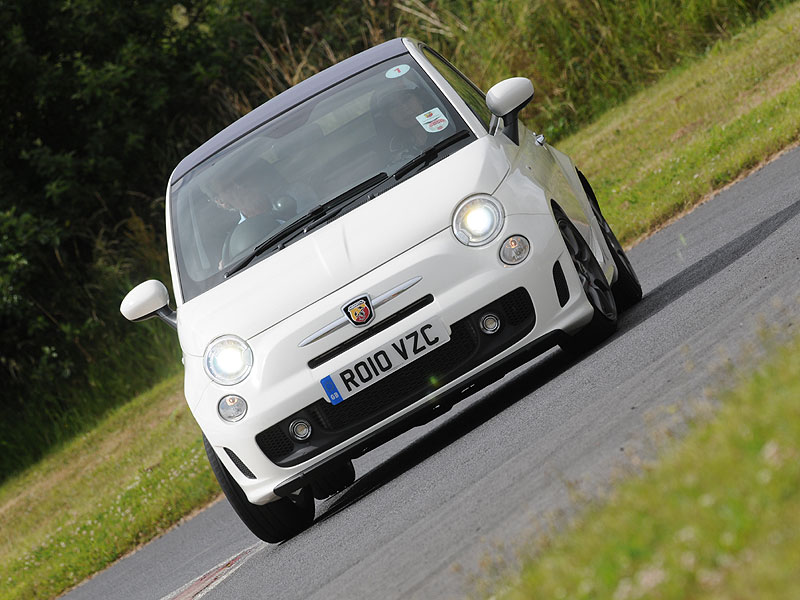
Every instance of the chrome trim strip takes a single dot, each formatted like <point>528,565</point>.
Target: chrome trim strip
<point>376,302</point>
<point>329,328</point>
<point>395,292</point>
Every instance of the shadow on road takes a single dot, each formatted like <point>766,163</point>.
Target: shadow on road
<point>554,363</point>
<point>495,402</point>
<point>704,269</point>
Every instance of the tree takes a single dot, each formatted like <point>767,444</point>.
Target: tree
<point>98,101</point>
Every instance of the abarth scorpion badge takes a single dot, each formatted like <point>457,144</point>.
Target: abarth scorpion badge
<point>359,311</point>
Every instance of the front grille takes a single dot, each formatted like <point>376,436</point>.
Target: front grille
<point>276,443</point>
<point>466,349</point>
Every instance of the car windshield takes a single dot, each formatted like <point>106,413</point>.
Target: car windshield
<point>374,122</point>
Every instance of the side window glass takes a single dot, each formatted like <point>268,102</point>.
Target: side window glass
<point>474,98</point>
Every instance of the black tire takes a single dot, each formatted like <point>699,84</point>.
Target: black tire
<point>627,289</point>
<point>595,287</point>
<point>273,522</point>
<point>335,479</point>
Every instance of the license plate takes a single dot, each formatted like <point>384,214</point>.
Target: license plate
<point>385,360</point>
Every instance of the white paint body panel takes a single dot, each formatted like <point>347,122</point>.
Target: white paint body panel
<point>358,242</point>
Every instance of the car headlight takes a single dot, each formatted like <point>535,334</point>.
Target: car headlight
<point>478,220</point>
<point>228,360</point>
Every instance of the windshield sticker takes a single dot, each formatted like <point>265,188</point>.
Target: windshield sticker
<point>433,120</point>
<point>397,71</point>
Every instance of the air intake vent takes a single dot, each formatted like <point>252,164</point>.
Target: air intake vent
<point>561,284</point>
<point>238,462</point>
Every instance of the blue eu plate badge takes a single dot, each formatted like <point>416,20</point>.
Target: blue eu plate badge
<point>330,389</point>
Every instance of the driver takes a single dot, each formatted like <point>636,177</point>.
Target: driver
<point>248,200</point>
<point>408,137</point>
<point>247,196</point>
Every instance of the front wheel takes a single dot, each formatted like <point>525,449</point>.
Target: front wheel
<point>627,289</point>
<point>595,288</point>
<point>273,522</point>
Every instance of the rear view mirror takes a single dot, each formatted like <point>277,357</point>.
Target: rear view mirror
<point>506,99</point>
<point>146,300</point>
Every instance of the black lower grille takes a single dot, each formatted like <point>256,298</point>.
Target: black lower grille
<point>466,349</point>
<point>517,307</point>
<point>277,443</point>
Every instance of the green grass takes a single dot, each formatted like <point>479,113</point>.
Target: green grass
<point>143,467</point>
<point>717,517</point>
<point>697,129</point>
<point>138,472</point>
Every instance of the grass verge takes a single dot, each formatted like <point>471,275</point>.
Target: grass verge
<point>717,517</point>
<point>134,475</point>
<point>143,467</point>
<point>695,131</point>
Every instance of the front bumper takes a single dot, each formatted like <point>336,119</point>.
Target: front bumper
<point>458,285</point>
<point>467,349</point>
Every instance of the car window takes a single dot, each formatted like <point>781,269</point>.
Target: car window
<point>373,122</point>
<point>475,99</point>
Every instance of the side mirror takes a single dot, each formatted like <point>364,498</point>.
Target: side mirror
<point>506,99</point>
<point>146,300</point>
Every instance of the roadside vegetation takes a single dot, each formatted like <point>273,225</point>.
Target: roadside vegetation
<point>701,127</point>
<point>718,516</point>
<point>99,494</point>
<point>137,473</point>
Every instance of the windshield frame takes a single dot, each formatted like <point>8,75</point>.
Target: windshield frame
<point>189,287</point>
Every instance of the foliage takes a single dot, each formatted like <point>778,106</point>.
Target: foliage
<point>98,101</point>
<point>583,57</point>
<point>697,129</point>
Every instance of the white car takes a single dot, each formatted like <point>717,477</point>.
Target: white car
<point>358,254</point>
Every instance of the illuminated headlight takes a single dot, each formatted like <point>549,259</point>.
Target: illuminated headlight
<point>478,220</point>
<point>228,360</point>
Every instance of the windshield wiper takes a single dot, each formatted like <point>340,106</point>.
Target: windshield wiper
<point>429,154</point>
<point>326,210</point>
<point>306,221</point>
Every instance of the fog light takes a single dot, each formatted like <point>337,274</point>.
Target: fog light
<point>515,249</point>
<point>232,408</point>
<point>490,323</point>
<point>300,430</point>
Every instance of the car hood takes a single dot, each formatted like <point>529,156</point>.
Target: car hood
<point>342,251</point>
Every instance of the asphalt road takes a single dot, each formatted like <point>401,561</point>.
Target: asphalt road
<point>432,509</point>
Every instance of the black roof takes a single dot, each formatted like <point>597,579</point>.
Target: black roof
<point>289,99</point>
